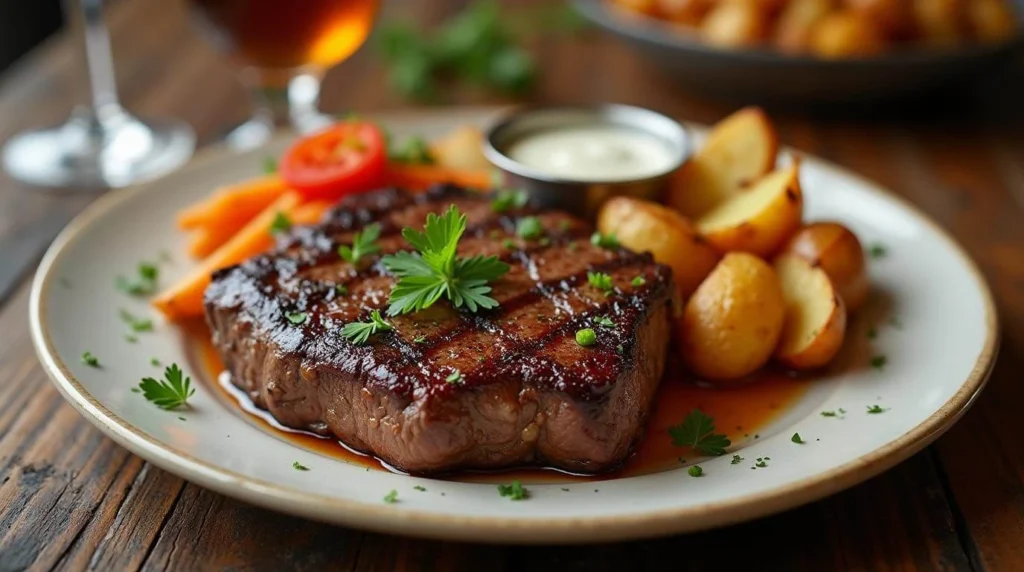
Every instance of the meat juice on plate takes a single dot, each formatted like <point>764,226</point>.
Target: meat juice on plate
<point>739,411</point>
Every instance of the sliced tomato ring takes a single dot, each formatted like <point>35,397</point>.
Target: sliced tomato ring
<point>348,157</point>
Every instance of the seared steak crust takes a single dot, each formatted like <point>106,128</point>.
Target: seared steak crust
<point>528,394</point>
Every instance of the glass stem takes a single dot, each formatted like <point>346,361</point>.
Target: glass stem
<point>287,98</point>
<point>100,62</point>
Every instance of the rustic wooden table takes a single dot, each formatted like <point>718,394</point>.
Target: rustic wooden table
<point>71,499</point>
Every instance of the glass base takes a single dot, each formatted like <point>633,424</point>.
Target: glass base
<point>86,153</point>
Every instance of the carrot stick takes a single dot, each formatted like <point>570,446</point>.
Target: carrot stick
<point>185,298</point>
<point>309,213</point>
<point>233,203</point>
<point>421,176</point>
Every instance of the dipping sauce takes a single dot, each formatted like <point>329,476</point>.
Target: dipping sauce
<point>594,153</point>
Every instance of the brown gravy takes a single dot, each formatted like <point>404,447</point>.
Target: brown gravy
<point>739,410</point>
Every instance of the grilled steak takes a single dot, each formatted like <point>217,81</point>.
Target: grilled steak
<point>528,393</point>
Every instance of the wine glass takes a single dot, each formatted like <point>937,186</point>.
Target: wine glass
<point>101,145</point>
<point>283,50</point>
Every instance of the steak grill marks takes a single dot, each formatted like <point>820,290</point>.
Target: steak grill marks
<point>543,300</point>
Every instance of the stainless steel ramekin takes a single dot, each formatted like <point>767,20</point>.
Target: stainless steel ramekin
<point>581,197</point>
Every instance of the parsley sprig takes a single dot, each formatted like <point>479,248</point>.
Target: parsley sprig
<point>514,491</point>
<point>143,284</point>
<point>509,199</point>
<point>364,243</point>
<point>171,392</point>
<point>436,271</point>
<point>359,332</point>
<point>698,431</point>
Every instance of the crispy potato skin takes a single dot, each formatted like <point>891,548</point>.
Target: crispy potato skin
<point>808,343</point>
<point>796,23</point>
<point>836,250</point>
<point>734,24</point>
<point>732,323</point>
<point>847,34</point>
<point>759,220</point>
<point>672,239</point>
<point>739,150</point>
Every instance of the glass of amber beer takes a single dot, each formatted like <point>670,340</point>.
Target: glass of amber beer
<point>283,49</point>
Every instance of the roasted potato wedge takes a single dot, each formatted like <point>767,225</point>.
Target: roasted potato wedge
<point>796,22</point>
<point>836,250</point>
<point>686,12</point>
<point>991,21</point>
<point>644,226</point>
<point>739,150</point>
<point>847,34</point>
<point>734,24</point>
<point>760,219</point>
<point>732,323</point>
<point>815,323</point>
<point>461,148</point>
<point>892,17</point>
<point>939,23</point>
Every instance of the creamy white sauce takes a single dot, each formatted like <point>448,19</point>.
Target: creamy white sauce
<point>593,153</point>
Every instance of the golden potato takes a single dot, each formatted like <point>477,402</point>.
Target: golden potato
<point>836,250</point>
<point>939,23</point>
<point>644,226</point>
<point>892,17</point>
<point>734,24</point>
<point>847,34</point>
<point>760,219</point>
<point>688,12</point>
<point>991,21</point>
<point>795,23</point>
<point>731,324</point>
<point>815,322</point>
<point>461,148</point>
<point>739,150</point>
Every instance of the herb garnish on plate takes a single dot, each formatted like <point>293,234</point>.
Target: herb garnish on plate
<point>170,392</point>
<point>698,431</point>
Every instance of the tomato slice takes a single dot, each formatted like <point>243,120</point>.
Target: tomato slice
<point>348,157</point>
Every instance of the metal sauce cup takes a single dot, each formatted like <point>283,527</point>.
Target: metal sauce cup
<point>582,197</point>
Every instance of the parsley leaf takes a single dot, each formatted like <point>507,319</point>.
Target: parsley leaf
<point>515,491</point>
<point>391,497</point>
<point>299,466</point>
<point>600,280</point>
<point>529,227</point>
<point>413,150</point>
<point>507,200</point>
<point>363,244</point>
<point>143,284</point>
<point>90,360</point>
<point>169,393</point>
<point>281,223</point>
<point>698,431</point>
<point>135,323</point>
<point>454,377</point>
<point>876,409</point>
<point>436,271</point>
<point>604,240</point>
<point>604,321</point>
<point>359,332</point>
<point>797,439</point>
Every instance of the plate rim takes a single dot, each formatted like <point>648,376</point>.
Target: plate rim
<point>506,530</point>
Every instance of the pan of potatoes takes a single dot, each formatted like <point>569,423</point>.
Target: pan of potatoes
<point>817,50</point>
<point>756,281</point>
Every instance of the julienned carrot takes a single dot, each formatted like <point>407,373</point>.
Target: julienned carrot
<point>233,203</point>
<point>309,213</point>
<point>422,176</point>
<point>185,298</point>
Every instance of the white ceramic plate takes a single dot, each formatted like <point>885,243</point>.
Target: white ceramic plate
<point>938,361</point>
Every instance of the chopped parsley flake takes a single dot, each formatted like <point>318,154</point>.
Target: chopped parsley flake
<point>604,321</point>
<point>269,165</point>
<point>878,362</point>
<point>90,360</point>
<point>359,332</point>
<point>420,489</point>
<point>736,459</point>
<point>877,250</point>
<point>281,223</point>
<point>604,240</point>
<point>454,377</point>
<point>797,439</point>
<point>154,362</point>
<point>297,318</point>
<point>508,244</point>
<point>420,340</point>
<point>130,338</point>
<point>341,289</point>
<point>619,348</point>
<point>876,409</point>
<point>698,431</point>
<point>828,413</point>
<point>143,284</point>
<point>509,199</point>
<point>529,228</point>
<point>170,392</point>
<point>695,471</point>
<point>299,466</point>
<point>515,491</point>
<point>135,323</point>
<point>586,337</point>
<point>600,280</point>
<point>638,281</point>
<point>391,497</point>
<point>761,463</point>
<point>872,333</point>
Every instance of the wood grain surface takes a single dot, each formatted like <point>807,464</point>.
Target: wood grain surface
<point>72,499</point>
